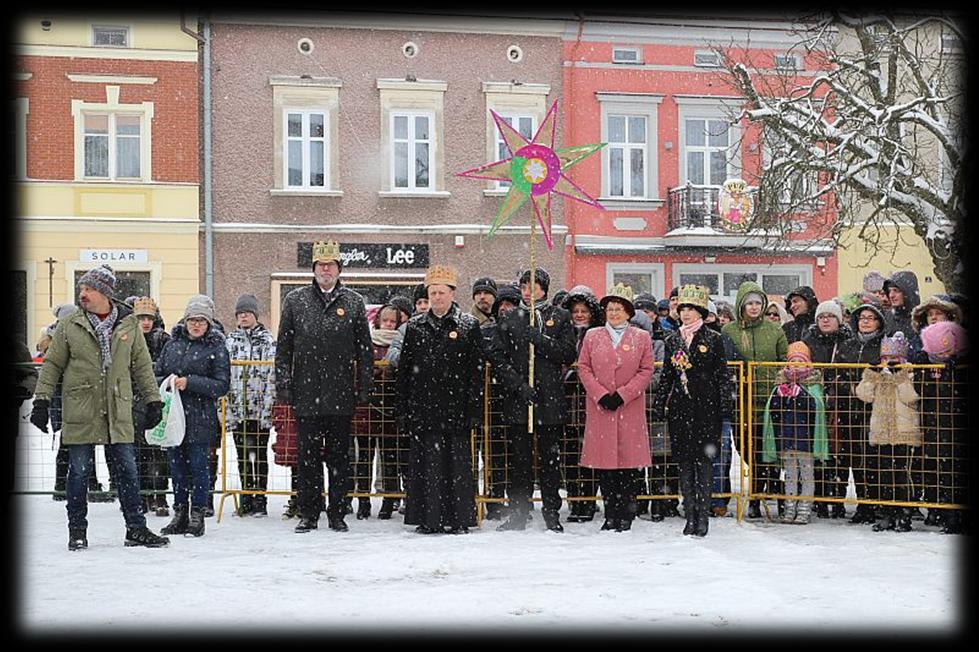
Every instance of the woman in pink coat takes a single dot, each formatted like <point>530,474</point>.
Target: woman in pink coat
<point>615,366</point>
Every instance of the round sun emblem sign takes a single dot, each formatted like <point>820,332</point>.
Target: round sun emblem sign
<point>735,205</point>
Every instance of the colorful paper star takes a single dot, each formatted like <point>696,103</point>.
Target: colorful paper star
<point>535,170</point>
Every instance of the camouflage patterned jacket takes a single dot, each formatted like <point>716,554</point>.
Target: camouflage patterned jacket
<point>252,385</point>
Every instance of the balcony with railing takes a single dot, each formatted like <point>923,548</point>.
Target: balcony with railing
<point>694,218</point>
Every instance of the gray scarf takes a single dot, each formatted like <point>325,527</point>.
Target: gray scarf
<point>103,332</point>
<point>616,332</point>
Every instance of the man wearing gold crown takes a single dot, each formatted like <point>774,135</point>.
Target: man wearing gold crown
<point>323,368</point>
<point>440,391</point>
<point>555,346</point>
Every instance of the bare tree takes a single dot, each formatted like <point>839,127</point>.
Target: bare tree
<point>873,140</point>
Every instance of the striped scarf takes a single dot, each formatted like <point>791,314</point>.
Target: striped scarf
<point>103,332</point>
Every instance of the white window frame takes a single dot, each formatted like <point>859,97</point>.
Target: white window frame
<point>144,110</point>
<point>718,269</point>
<point>500,143</point>
<point>306,139</point>
<point>656,271</point>
<point>113,137</point>
<point>626,61</point>
<point>412,142</point>
<point>154,268</point>
<point>784,57</point>
<point>96,27</point>
<point>294,94</point>
<point>714,55</point>
<point>709,108</point>
<point>21,107</point>
<point>640,105</point>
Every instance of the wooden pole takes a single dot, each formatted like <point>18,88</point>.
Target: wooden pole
<point>533,303</point>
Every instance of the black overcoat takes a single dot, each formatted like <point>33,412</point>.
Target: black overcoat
<point>555,346</point>
<point>324,356</point>
<point>695,416</point>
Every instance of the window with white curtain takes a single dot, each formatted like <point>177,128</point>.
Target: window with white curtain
<point>411,155</point>
<point>112,145</point>
<point>306,149</point>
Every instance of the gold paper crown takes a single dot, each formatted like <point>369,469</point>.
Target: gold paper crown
<point>325,252</point>
<point>441,275</point>
<point>693,295</point>
<point>144,306</point>
<point>621,291</point>
<point>735,185</point>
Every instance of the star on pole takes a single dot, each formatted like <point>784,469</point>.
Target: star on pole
<point>535,171</point>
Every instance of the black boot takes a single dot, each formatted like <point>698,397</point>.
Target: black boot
<point>178,524</point>
<point>887,522</point>
<point>142,536</point>
<point>292,509</point>
<point>160,505</point>
<point>516,521</point>
<point>702,520</point>
<point>933,517</point>
<point>363,508</point>
<point>586,512</point>
<point>387,509</point>
<point>864,514</point>
<point>822,510</point>
<point>902,523</point>
<point>953,523</point>
<point>691,525</point>
<point>77,539</point>
<point>610,524</point>
<point>494,511</point>
<point>195,525</point>
<point>656,511</point>
<point>838,510</point>
<point>245,504</point>
<point>574,511</point>
<point>209,508</point>
<point>260,506</point>
<point>306,525</point>
<point>754,511</point>
<point>552,521</point>
<point>337,524</point>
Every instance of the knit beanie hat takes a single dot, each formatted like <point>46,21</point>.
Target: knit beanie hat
<point>559,297</point>
<point>873,281</point>
<point>711,308</point>
<point>895,346</point>
<point>101,279</point>
<point>581,289</point>
<point>675,292</point>
<point>832,308</point>
<point>485,284</point>
<point>645,301</point>
<point>753,296</point>
<point>200,305</point>
<point>402,303</point>
<point>144,307</point>
<point>541,277</point>
<point>247,303</point>
<point>798,352</point>
<point>420,293</point>
<point>944,339</point>
<point>663,304</point>
<point>63,310</point>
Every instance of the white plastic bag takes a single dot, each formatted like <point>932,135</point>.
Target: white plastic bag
<point>170,431</point>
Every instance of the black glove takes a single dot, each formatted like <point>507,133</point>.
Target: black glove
<point>39,415</point>
<point>154,414</point>
<point>611,401</point>
<point>537,337</point>
<point>527,394</point>
<point>656,414</point>
<point>283,395</point>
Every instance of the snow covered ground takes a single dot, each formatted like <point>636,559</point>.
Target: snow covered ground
<point>255,574</point>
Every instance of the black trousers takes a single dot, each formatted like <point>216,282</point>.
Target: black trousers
<point>520,445</point>
<point>251,444</point>
<point>329,434</point>
<point>696,478</point>
<point>766,474</point>
<point>619,492</point>
<point>893,471</point>
<point>579,481</point>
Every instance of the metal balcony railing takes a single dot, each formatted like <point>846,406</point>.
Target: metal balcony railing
<point>695,206</point>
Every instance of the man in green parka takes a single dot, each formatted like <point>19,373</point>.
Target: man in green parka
<point>758,340</point>
<point>98,353</point>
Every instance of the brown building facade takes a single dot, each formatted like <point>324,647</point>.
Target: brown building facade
<point>354,130</point>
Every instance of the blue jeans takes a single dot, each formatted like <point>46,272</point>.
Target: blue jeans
<point>722,466</point>
<point>191,473</point>
<point>121,459</point>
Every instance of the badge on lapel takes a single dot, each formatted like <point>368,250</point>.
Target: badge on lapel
<point>626,347</point>
<point>702,348</point>
<point>341,312</point>
<point>124,337</point>
<point>549,322</point>
<point>453,335</point>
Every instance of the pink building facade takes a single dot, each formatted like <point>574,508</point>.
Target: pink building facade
<point>656,93</point>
